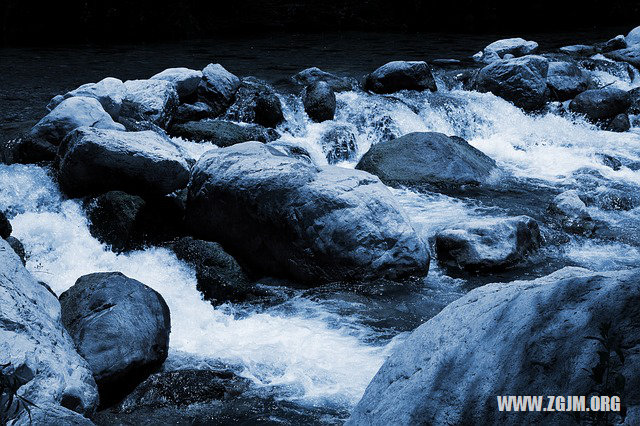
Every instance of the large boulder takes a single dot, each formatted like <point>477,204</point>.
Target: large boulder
<point>120,326</point>
<point>284,217</point>
<point>630,55</point>
<point>488,244</point>
<point>109,92</point>
<point>70,114</point>
<point>509,46</point>
<point>566,80</point>
<point>312,75</point>
<point>601,104</point>
<point>319,101</point>
<point>185,80</point>
<point>150,100</point>
<point>223,133</point>
<point>256,102</point>
<point>633,38</point>
<point>432,159</point>
<point>39,352</point>
<point>218,87</point>
<point>519,338</point>
<point>522,81</point>
<point>400,75</point>
<point>95,160</point>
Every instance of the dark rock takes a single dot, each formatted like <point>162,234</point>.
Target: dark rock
<point>312,75</point>
<point>120,326</point>
<point>578,50</point>
<point>319,101</point>
<point>522,81</point>
<point>573,213</point>
<point>339,143</point>
<point>185,80</point>
<point>150,100</point>
<point>610,161</point>
<point>630,55</point>
<point>619,123</point>
<point>268,111</point>
<point>256,102</point>
<point>516,338</point>
<point>5,226</point>
<point>109,92</point>
<point>94,160</point>
<point>218,87</point>
<point>566,80</point>
<point>400,75</point>
<point>427,159</point>
<point>220,278</point>
<point>223,133</point>
<point>615,43</point>
<point>634,95</point>
<point>488,245</point>
<point>192,112</point>
<point>286,218</point>
<point>18,248</point>
<point>615,199</point>
<point>600,104</point>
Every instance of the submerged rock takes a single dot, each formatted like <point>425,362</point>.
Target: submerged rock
<point>120,326</point>
<point>109,92</point>
<point>312,75</point>
<point>220,277</point>
<point>218,87</point>
<point>522,81</point>
<point>400,75</point>
<point>566,80</point>
<point>339,143</point>
<point>185,80</point>
<point>575,217</point>
<point>39,351</point>
<point>150,100</point>
<point>488,245</point>
<point>428,159</point>
<point>94,160</point>
<point>517,338</point>
<point>223,133</point>
<point>319,101</point>
<point>286,218</point>
<point>600,104</point>
<point>619,123</point>
<point>256,102</point>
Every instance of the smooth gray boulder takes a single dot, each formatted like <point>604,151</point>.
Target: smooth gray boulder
<point>433,159</point>
<point>218,87</point>
<point>154,101</point>
<point>601,104</point>
<point>185,80</point>
<point>109,92</point>
<point>223,133</point>
<point>319,101</point>
<point>286,218</point>
<point>485,245</point>
<point>630,55</point>
<point>400,75</point>
<point>633,37</point>
<point>510,46</point>
<point>94,161</point>
<point>522,81</point>
<point>120,326</point>
<point>312,75</point>
<point>566,80</point>
<point>37,347</point>
<point>516,338</point>
<point>70,114</point>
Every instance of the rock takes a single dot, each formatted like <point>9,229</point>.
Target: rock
<point>319,102</point>
<point>27,151</point>
<point>522,81</point>
<point>109,92</point>
<point>218,87</point>
<point>18,248</point>
<point>634,96</point>
<point>290,149</point>
<point>223,133</point>
<point>630,55</point>
<point>575,217</point>
<point>286,218</point>
<point>185,80</point>
<point>220,277</point>
<point>256,102</point>
<point>400,75</point>
<point>150,100</point>
<point>192,112</point>
<point>600,104</point>
<point>516,338</point>
<point>633,38</point>
<point>615,199</point>
<point>312,75</point>
<point>33,341</point>
<point>72,113</point>
<point>566,80</point>
<point>488,245</point>
<point>5,226</point>
<point>578,50</point>
<point>431,159</point>
<point>615,43</point>
<point>120,326</point>
<point>339,143</point>
<point>610,161</point>
<point>619,123</point>
<point>95,160</point>
<point>510,46</point>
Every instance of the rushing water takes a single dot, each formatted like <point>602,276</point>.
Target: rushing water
<point>320,348</point>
